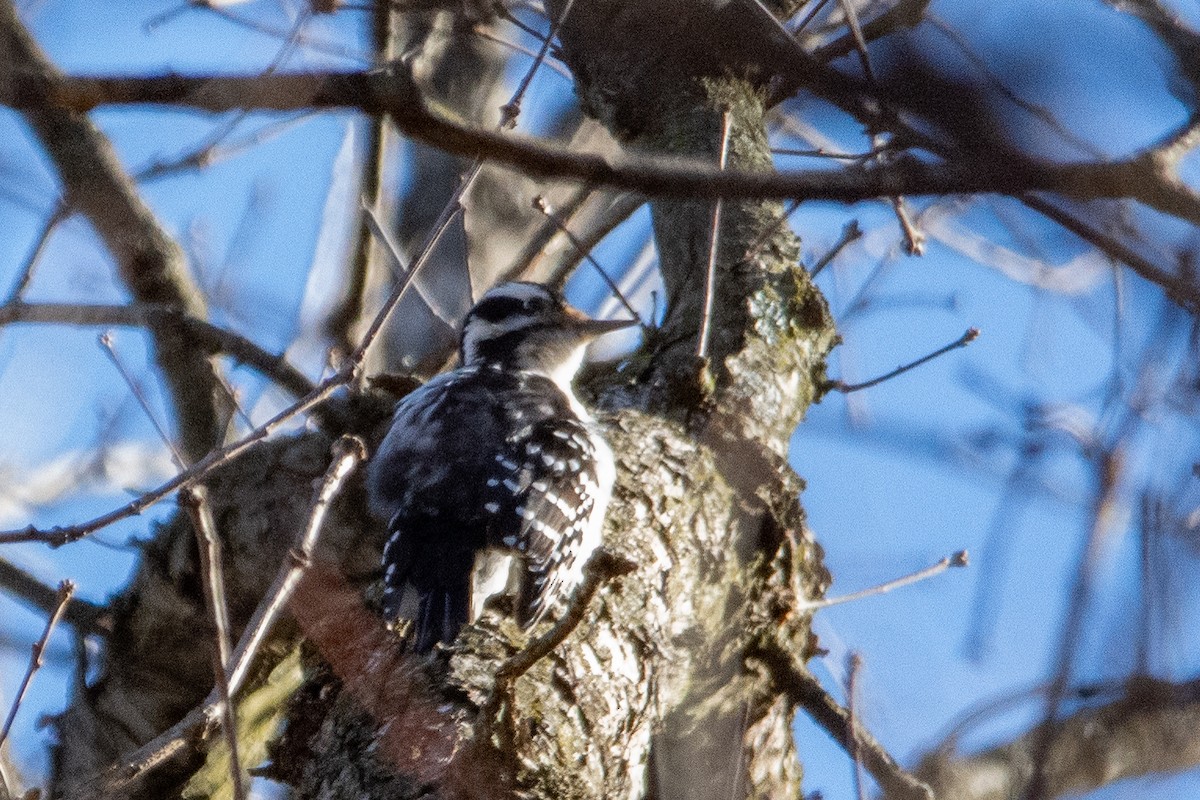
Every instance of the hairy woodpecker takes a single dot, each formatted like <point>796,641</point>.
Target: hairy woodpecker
<point>493,477</point>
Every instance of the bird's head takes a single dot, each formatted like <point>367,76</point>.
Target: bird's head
<point>527,326</point>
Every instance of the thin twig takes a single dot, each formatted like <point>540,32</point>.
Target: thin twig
<point>860,43</point>
<point>449,212</point>
<point>768,233</point>
<point>850,233</point>
<point>820,153</point>
<point>212,151</point>
<point>348,453</point>
<point>1150,530</point>
<point>1110,468</point>
<point>1037,111</point>
<point>914,239</point>
<point>289,37</point>
<point>65,591</point>
<point>603,567</point>
<point>811,15</point>
<point>619,209</point>
<point>350,371</point>
<point>25,274</point>
<point>905,13</point>
<point>840,386</point>
<point>105,340</point>
<point>792,679</point>
<point>503,12</point>
<point>958,559</point>
<point>512,109</point>
<point>853,667</point>
<point>195,499</point>
<point>24,588</point>
<point>371,219</point>
<point>1006,516</point>
<point>1178,288</point>
<point>540,204</point>
<point>490,36</point>
<point>714,244</point>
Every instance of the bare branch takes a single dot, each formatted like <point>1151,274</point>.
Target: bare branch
<point>1178,289</point>
<point>905,14</point>
<point>539,203</point>
<point>106,344</point>
<point>349,372</point>
<point>840,386</point>
<point>512,109</point>
<point>348,453</point>
<point>914,239</point>
<point>206,336</point>
<point>959,559</point>
<point>66,590</point>
<point>850,233</point>
<point>195,499</point>
<point>856,34</point>
<point>714,244</point>
<point>392,91</point>
<point>1109,468</point>
<point>25,274</point>
<point>853,668</point>
<point>23,587</point>
<point>791,678</point>
<point>603,567</point>
<point>150,263</point>
<point>1150,729</point>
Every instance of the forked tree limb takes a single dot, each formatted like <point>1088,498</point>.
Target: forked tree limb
<point>149,262</point>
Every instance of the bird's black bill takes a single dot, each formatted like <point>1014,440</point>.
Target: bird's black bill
<point>599,327</point>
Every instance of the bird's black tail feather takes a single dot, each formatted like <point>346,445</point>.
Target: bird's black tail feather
<point>441,614</point>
